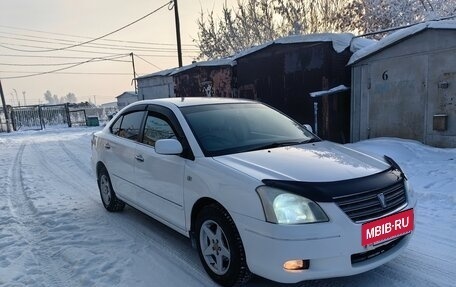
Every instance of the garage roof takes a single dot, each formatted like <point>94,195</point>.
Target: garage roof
<point>398,36</point>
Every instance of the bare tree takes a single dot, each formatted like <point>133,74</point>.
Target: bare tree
<point>51,99</point>
<point>251,23</point>
<point>54,99</point>
<point>365,16</point>
<point>304,16</point>
<point>69,98</point>
<point>254,22</point>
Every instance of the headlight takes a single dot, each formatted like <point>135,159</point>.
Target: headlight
<point>283,207</point>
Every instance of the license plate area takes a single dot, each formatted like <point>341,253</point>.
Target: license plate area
<point>387,228</point>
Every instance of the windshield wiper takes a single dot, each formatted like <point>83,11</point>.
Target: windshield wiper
<point>274,145</point>
<point>283,143</point>
<point>312,140</point>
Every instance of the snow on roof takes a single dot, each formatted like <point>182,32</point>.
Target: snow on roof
<point>127,93</point>
<point>229,61</point>
<point>163,73</point>
<point>340,42</point>
<point>361,43</point>
<point>334,90</point>
<point>398,36</point>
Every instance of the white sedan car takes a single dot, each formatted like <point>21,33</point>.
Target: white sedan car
<point>254,190</point>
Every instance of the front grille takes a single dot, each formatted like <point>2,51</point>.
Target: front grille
<point>360,257</point>
<point>367,205</point>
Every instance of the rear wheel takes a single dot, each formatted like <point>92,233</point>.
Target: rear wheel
<point>220,247</point>
<point>108,196</point>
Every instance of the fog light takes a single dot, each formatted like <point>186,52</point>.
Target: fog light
<point>294,265</point>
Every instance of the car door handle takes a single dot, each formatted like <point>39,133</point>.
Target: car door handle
<point>107,146</point>
<point>139,157</point>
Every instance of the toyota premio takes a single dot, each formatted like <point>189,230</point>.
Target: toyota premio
<point>256,192</point>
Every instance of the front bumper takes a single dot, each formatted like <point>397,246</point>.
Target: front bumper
<point>328,246</point>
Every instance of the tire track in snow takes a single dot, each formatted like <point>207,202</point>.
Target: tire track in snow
<point>161,241</point>
<point>76,160</point>
<point>31,225</point>
<point>145,235</point>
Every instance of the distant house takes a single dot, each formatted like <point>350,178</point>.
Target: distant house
<point>156,85</point>
<point>126,98</point>
<point>205,79</point>
<point>405,86</point>
<point>109,105</point>
<point>283,73</point>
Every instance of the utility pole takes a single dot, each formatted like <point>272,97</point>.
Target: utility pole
<point>179,46</point>
<point>23,93</point>
<point>17,98</point>
<point>5,111</point>
<point>134,72</point>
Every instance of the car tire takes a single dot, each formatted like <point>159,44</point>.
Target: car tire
<point>220,247</point>
<point>108,196</point>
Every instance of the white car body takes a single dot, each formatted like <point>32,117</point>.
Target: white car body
<point>177,185</point>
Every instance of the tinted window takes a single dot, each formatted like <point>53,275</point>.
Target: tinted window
<point>156,129</point>
<point>231,128</point>
<point>131,124</point>
<point>115,128</point>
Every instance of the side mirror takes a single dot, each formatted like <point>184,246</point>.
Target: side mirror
<point>308,127</point>
<point>168,146</point>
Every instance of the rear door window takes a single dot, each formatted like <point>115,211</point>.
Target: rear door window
<point>115,128</point>
<point>131,125</point>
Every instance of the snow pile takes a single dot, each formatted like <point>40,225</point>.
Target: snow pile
<point>334,90</point>
<point>55,232</point>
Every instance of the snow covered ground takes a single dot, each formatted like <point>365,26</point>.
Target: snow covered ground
<point>54,230</point>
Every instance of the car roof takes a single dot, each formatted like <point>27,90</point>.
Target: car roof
<point>194,101</point>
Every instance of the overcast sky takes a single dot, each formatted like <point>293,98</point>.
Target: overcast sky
<point>32,26</point>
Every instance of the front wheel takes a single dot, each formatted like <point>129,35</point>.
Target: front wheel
<point>220,247</point>
<point>108,196</point>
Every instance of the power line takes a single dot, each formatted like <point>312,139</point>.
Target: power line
<point>148,62</point>
<point>48,57</point>
<point>94,45</point>
<point>72,73</point>
<point>100,37</point>
<point>84,37</point>
<point>11,45</point>
<point>56,64</point>
<point>85,57</point>
<point>60,69</point>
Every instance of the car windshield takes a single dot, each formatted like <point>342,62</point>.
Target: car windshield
<point>222,129</point>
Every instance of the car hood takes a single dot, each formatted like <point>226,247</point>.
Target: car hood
<point>316,162</point>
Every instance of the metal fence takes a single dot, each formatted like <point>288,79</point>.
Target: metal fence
<point>41,116</point>
<point>3,127</point>
<point>78,117</point>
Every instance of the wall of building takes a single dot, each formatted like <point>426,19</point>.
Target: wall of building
<point>125,99</point>
<point>283,76</point>
<point>204,81</point>
<point>397,91</point>
<point>155,87</point>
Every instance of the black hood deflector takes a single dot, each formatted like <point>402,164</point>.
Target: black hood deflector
<point>327,191</point>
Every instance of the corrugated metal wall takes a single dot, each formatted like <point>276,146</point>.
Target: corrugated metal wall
<point>284,75</point>
<point>399,91</point>
<point>211,81</point>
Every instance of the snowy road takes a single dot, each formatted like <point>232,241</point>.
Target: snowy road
<point>54,230</point>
